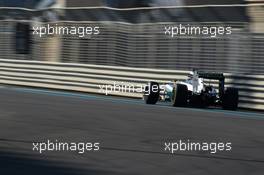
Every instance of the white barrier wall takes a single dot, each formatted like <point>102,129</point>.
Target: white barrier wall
<point>87,78</point>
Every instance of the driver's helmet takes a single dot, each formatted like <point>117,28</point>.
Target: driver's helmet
<point>190,75</point>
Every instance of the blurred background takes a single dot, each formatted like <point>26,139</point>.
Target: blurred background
<point>135,37</point>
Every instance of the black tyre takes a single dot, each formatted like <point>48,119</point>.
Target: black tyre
<point>230,99</point>
<point>198,101</point>
<point>180,95</point>
<point>152,92</point>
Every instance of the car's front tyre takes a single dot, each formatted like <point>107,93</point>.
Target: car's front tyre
<point>152,93</point>
<point>180,95</point>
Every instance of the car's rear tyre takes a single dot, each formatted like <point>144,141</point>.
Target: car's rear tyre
<point>180,95</point>
<point>152,92</point>
<point>230,99</point>
<point>197,101</point>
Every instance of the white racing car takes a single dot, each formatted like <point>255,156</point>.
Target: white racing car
<point>194,92</point>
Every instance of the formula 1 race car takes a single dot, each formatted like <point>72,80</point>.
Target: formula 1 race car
<point>194,92</point>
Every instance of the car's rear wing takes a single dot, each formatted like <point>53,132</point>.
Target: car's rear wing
<point>215,76</point>
<point>211,75</point>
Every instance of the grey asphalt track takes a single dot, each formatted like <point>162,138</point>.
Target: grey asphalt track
<point>131,136</point>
